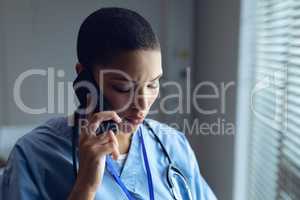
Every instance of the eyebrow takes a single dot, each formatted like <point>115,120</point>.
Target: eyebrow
<point>156,78</point>
<point>124,79</point>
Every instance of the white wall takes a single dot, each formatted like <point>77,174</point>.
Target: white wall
<point>2,73</point>
<point>217,60</point>
<point>42,34</point>
<point>2,69</point>
<point>39,35</point>
<point>178,53</point>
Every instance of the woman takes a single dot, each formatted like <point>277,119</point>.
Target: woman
<point>131,164</point>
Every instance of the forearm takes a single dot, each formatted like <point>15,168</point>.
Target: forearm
<point>82,192</point>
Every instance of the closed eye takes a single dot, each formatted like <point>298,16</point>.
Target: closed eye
<point>153,85</point>
<point>122,88</point>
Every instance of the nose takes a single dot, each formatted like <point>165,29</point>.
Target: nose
<point>140,100</point>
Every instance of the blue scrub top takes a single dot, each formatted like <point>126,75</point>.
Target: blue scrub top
<point>40,165</point>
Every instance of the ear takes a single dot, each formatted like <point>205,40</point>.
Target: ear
<point>79,67</point>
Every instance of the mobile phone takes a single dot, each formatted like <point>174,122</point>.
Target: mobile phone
<point>102,103</point>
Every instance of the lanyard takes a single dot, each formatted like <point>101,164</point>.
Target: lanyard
<point>115,175</point>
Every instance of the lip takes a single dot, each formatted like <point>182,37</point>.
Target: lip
<point>135,120</point>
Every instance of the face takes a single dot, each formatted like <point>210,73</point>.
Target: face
<point>131,85</point>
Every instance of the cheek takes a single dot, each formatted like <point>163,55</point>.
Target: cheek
<point>152,98</point>
<point>117,100</point>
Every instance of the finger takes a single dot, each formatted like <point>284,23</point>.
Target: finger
<point>101,139</point>
<point>107,148</point>
<point>89,110</point>
<point>105,116</point>
<point>99,143</point>
<point>115,153</point>
<point>83,121</point>
<point>98,118</point>
<point>83,127</point>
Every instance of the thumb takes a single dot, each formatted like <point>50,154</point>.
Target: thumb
<point>89,106</point>
<point>115,153</point>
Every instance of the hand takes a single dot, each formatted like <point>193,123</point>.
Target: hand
<point>93,149</point>
<point>92,153</point>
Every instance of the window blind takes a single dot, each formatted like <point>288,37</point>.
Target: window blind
<point>274,156</point>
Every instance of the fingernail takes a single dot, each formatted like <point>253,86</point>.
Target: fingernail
<point>93,127</point>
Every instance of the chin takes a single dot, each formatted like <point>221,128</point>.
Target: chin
<point>127,127</point>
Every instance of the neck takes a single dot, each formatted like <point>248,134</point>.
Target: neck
<point>124,140</point>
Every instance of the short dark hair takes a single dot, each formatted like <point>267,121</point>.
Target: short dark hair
<point>107,32</point>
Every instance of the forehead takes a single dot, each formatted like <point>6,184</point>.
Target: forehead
<point>138,66</point>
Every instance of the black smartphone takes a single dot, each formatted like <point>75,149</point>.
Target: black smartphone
<point>102,104</point>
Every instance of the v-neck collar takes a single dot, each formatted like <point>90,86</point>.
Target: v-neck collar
<point>132,166</point>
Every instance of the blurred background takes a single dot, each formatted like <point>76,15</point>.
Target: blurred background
<point>244,52</point>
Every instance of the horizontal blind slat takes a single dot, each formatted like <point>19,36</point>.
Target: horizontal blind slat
<point>275,131</point>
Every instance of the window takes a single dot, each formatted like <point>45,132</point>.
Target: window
<point>273,156</point>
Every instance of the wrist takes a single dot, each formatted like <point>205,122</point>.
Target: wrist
<point>83,190</point>
<point>85,185</point>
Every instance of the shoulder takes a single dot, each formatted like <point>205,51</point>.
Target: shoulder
<point>58,127</point>
<point>42,145</point>
<point>167,134</point>
<point>176,144</point>
<point>52,135</point>
<point>41,159</point>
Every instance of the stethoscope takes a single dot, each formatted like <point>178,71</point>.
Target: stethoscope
<point>176,180</point>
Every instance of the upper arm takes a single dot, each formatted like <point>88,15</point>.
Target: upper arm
<point>17,181</point>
